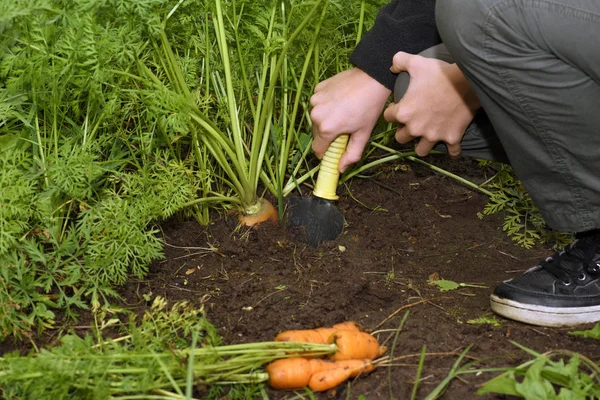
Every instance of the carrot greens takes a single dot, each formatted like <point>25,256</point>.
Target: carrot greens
<point>167,351</point>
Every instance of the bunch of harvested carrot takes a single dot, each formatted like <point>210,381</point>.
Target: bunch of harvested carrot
<point>356,352</point>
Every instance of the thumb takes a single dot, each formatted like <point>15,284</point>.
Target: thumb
<point>401,62</point>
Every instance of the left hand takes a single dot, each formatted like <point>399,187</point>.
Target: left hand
<point>438,105</point>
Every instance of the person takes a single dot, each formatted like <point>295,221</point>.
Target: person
<point>525,77</point>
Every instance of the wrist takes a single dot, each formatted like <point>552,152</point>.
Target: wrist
<point>373,88</point>
<point>464,88</point>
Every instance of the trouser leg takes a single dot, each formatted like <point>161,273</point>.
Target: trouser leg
<point>535,67</point>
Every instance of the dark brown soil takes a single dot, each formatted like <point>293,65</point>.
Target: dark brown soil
<point>403,225</point>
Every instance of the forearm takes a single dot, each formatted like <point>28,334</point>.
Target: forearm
<point>402,25</point>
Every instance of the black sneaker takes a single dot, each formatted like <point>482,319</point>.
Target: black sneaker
<point>562,290</point>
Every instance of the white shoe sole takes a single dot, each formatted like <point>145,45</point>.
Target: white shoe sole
<point>544,316</point>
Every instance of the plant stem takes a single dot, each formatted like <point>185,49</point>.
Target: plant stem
<point>361,22</point>
<point>451,175</point>
<point>419,371</point>
<point>419,161</point>
<point>248,195</point>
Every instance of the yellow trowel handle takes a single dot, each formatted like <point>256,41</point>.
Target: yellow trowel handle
<point>328,177</point>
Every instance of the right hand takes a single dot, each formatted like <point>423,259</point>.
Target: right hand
<point>438,106</point>
<point>350,102</point>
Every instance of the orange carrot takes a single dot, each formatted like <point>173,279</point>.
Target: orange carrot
<point>289,373</point>
<point>317,335</point>
<point>298,372</point>
<point>319,364</point>
<point>354,345</point>
<point>348,326</point>
<point>325,380</point>
<point>264,212</point>
<point>300,335</point>
<point>336,372</point>
<point>356,367</point>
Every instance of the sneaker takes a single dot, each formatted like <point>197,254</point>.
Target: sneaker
<point>562,290</point>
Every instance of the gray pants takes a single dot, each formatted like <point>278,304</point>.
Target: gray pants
<point>535,67</point>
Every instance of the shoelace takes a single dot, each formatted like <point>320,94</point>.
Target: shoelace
<point>572,264</point>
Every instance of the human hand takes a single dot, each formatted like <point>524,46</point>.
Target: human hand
<point>347,103</point>
<point>438,106</point>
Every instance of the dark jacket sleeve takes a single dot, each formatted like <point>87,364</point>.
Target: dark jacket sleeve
<point>402,25</point>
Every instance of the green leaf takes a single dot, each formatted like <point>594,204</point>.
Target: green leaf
<point>502,384</point>
<point>593,333</point>
<point>567,394</point>
<point>447,285</point>
<point>43,312</point>
<point>534,386</point>
<point>8,141</point>
<point>444,285</point>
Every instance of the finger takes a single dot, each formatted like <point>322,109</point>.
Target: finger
<point>399,112</point>
<point>402,135</point>
<point>319,145</point>
<point>315,99</point>
<point>354,150</point>
<point>424,147</point>
<point>454,150</point>
<point>402,62</point>
<point>320,86</point>
<point>390,112</point>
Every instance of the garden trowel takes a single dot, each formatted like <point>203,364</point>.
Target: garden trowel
<point>318,215</point>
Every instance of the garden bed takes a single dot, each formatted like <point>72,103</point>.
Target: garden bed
<point>118,117</point>
<point>405,226</point>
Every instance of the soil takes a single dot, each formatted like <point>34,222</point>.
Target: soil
<point>405,226</point>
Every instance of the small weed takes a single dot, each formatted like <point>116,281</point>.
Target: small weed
<point>445,285</point>
<point>555,375</point>
<point>571,376</point>
<point>390,276</point>
<point>486,319</point>
<point>523,221</point>
<point>593,333</point>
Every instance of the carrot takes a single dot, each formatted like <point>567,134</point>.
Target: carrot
<point>319,364</point>
<point>348,326</point>
<point>298,372</point>
<point>264,212</point>
<point>317,335</point>
<point>356,367</point>
<point>342,370</point>
<point>354,345</point>
<point>325,380</point>
<point>289,373</point>
<point>300,335</point>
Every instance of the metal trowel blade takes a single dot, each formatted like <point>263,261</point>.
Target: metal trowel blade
<point>320,219</point>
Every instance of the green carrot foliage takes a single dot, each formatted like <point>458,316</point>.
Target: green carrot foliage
<point>118,114</point>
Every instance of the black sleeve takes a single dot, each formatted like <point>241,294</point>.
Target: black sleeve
<point>402,25</point>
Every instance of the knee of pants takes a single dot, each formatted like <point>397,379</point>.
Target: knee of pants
<point>460,24</point>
